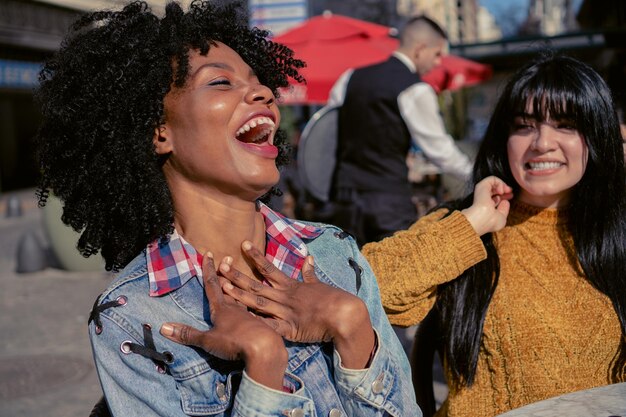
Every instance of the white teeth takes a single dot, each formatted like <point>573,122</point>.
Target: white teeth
<point>254,123</point>
<point>543,165</point>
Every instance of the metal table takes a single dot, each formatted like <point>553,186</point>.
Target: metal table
<point>606,401</point>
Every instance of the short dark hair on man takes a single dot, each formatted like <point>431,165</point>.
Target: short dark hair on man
<point>418,27</point>
<point>102,99</point>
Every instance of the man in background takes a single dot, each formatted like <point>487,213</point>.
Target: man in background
<point>384,109</point>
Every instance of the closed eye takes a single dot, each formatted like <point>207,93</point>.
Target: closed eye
<point>220,81</point>
<point>521,126</point>
<point>566,125</point>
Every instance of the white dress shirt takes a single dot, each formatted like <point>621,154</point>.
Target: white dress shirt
<point>420,111</point>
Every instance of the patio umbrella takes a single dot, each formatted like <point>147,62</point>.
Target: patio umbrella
<point>330,44</point>
<point>456,72</point>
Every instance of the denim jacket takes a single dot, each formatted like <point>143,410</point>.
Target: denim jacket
<point>145,374</point>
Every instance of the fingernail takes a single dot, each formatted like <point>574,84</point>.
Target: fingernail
<point>209,254</point>
<point>224,267</point>
<point>228,260</point>
<point>167,330</point>
<point>309,260</point>
<point>246,245</point>
<point>228,286</point>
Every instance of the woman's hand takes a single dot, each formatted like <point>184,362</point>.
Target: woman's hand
<point>236,334</point>
<point>491,205</point>
<point>308,311</point>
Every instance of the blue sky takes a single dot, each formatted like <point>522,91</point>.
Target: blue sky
<point>510,13</point>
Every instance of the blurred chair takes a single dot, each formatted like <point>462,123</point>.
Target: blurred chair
<point>426,343</point>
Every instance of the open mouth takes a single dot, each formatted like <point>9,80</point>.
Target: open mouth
<point>257,131</point>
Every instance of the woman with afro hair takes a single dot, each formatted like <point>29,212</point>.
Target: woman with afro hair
<point>160,138</point>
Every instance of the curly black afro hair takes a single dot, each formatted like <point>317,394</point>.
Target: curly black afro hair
<point>102,99</point>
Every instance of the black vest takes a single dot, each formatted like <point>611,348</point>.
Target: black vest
<point>373,140</point>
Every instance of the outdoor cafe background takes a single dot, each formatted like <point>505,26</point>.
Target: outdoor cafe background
<point>330,44</point>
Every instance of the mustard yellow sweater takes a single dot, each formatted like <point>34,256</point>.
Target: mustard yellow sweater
<point>547,330</point>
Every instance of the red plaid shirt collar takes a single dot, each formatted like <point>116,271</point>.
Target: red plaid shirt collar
<point>174,262</point>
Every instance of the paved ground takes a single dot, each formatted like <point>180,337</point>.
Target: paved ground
<point>46,366</point>
<point>45,357</point>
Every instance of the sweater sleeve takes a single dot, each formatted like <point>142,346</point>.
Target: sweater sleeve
<point>410,264</point>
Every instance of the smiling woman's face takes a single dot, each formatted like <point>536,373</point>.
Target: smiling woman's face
<point>547,159</point>
<point>219,128</point>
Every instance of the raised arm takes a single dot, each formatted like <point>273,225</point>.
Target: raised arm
<point>436,249</point>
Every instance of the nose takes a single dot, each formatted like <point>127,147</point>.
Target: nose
<point>544,138</point>
<point>260,93</point>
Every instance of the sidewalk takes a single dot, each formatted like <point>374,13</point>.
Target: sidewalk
<point>45,357</point>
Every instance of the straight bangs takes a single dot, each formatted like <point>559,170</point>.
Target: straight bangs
<point>547,95</point>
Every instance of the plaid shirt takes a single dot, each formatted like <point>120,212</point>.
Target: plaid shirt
<point>173,263</point>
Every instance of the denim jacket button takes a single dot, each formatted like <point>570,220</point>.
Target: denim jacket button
<point>377,386</point>
<point>296,412</point>
<point>334,413</point>
<point>220,390</point>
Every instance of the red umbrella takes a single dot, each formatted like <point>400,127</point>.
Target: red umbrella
<point>330,44</point>
<point>456,72</point>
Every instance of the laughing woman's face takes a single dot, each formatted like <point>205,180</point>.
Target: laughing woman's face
<point>219,128</point>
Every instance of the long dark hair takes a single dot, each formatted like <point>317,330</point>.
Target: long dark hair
<point>102,99</point>
<point>562,88</point>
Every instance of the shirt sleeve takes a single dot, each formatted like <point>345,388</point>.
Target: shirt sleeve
<point>254,399</point>
<point>338,92</point>
<point>420,111</point>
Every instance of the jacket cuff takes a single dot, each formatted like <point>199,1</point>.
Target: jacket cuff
<point>257,400</point>
<point>372,385</point>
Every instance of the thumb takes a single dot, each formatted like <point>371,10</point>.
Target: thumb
<point>504,207</point>
<point>308,270</point>
<point>184,334</point>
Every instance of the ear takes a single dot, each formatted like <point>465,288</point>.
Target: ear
<point>418,48</point>
<point>161,140</point>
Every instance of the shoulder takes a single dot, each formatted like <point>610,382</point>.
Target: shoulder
<point>421,89</point>
<point>338,261</point>
<point>390,65</point>
<point>332,238</point>
<point>133,278</point>
<point>120,303</point>
<point>127,303</point>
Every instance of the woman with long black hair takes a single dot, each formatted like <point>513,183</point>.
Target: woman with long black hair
<point>536,306</point>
